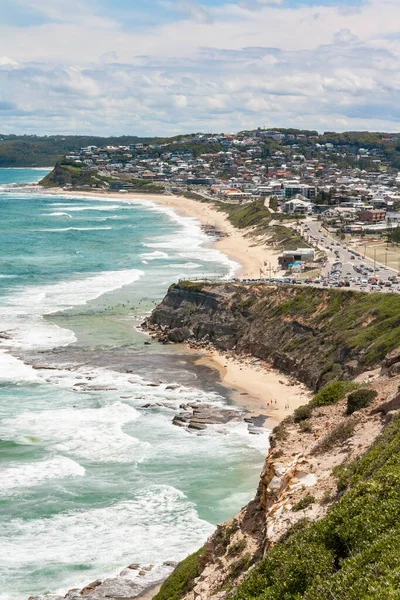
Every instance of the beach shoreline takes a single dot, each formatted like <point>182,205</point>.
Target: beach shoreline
<point>254,385</point>
<point>254,258</point>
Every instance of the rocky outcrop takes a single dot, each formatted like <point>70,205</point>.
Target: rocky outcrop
<point>132,582</point>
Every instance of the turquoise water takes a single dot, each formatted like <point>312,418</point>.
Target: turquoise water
<point>94,479</point>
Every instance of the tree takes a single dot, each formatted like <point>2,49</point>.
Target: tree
<point>394,235</point>
<point>273,203</point>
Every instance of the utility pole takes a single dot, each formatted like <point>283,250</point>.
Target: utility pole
<point>374,261</point>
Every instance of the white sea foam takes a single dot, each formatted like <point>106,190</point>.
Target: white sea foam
<point>154,255</point>
<point>105,537</point>
<point>189,265</point>
<point>23,311</point>
<point>191,242</point>
<point>57,214</point>
<point>74,208</point>
<point>35,473</point>
<point>75,229</point>
<point>13,370</point>
<point>94,434</point>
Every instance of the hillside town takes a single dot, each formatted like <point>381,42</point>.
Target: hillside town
<point>354,186</point>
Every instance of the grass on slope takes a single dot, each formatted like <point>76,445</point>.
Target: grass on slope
<point>250,215</point>
<point>336,326</point>
<point>353,321</point>
<point>351,554</point>
<point>181,581</point>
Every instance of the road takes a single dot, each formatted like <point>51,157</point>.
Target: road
<point>356,269</point>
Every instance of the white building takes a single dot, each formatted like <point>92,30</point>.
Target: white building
<point>298,207</point>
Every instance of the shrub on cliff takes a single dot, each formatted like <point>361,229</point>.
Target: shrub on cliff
<point>360,399</point>
<point>337,436</point>
<point>303,503</point>
<point>333,392</point>
<point>181,581</point>
<point>302,413</point>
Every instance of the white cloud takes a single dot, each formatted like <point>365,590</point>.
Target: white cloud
<point>221,68</point>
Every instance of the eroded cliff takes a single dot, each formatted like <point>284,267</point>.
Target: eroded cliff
<point>315,335</point>
<point>320,336</point>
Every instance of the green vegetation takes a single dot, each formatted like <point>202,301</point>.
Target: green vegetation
<point>194,286</point>
<point>222,537</point>
<point>302,413</point>
<point>351,554</point>
<point>255,214</point>
<point>181,581</point>
<point>393,235</point>
<point>360,399</point>
<point>383,455</point>
<point>305,427</point>
<point>333,392</point>
<point>348,323</point>
<point>337,436</point>
<point>34,151</point>
<point>237,547</point>
<point>330,334</point>
<point>240,566</point>
<point>303,503</point>
<point>66,172</point>
<point>286,238</point>
<point>273,203</point>
<point>280,433</point>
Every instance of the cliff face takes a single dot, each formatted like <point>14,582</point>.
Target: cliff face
<point>315,335</point>
<point>318,336</point>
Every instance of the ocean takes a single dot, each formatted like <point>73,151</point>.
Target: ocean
<point>93,474</point>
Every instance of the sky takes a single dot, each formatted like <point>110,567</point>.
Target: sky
<point>163,67</point>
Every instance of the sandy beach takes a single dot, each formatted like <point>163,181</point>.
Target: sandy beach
<point>257,387</point>
<point>249,252</point>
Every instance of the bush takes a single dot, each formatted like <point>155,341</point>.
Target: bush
<point>305,427</point>
<point>222,537</point>
<point>280,433</point>
<point>360,399</point>
<point>237,547</point>
<point>338,435</point>
<point>303,503</point>
<point>181,581</point>
<point>333,392</point>
<point>240,566</point>
<point>302,413</point>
